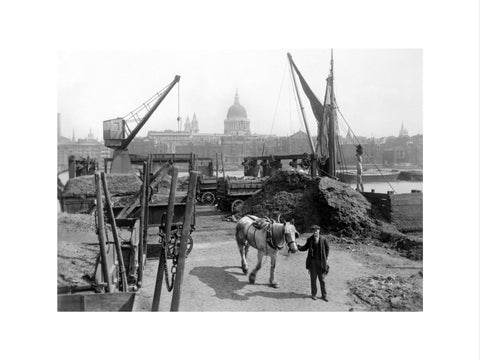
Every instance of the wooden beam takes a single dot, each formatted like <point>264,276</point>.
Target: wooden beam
<point>168,228</point>
<point>116,240</point>
<point>134,202</point>
<point>143,200</point>
<point>189,213</point>
<point>101,234</point>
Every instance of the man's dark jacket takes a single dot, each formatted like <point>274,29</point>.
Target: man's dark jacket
<point>321,253</point>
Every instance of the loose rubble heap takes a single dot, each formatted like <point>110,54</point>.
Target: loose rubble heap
<point>389,293</point>
<point>118,185</point>
<point>335,206</point>
<point>75,222</point>
<point>76,260</point>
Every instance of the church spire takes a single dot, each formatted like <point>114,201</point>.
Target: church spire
<point>237,101</point>
<point>195,128</point>
<point>188,126</point>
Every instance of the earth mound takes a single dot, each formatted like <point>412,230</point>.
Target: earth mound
<point>335,206</point>
<point>118,185</point>
<point>389,293</point>
<point>75,222</point>
<point>76,259</point>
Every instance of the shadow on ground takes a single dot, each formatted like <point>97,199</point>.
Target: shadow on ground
<point>226,284</point>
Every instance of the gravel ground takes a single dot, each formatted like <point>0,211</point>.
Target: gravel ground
<point>213,280</point>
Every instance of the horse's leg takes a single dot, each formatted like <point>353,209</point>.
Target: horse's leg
<point>243,254</point>
<point>242,248</point>
<point>244,258</point>
<point>253,274</point>
<point>273,262</point>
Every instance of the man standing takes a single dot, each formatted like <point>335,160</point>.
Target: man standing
<point>317,261</point>
<point>358,155</point>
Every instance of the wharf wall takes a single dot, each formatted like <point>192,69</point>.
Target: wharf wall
<point>405,211</point>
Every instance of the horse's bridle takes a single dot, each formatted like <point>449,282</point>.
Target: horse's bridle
<point>275,246</point>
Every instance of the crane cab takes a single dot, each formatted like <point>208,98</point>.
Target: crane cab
<point>114,132</point>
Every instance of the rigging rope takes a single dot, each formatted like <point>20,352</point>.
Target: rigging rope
<point>358,141</point>
<point>276,108</point>
<point>290,109</point>
<point>342,157</point>
<point>297,103</point>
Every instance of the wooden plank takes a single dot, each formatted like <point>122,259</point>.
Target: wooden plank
<point>168,231</point>
<point>101,234</point>
<point>118,246</point>
<point>189,216</point>
<point>135,200</point>
<point>70,303</point>
<point>96,302</point>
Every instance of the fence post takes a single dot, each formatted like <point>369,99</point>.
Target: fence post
<point>101,234</point>
<point>168,227</point>
<point>189,213</point>
<point>142,226</point>
<point>118,246</point>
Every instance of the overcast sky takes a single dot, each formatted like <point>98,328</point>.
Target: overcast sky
<point>376,90</point>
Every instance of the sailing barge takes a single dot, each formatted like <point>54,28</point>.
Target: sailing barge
<point>405,211</point>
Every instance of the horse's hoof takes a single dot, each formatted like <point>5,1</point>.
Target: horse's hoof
<point>274,285</point>
<point>245,271</point>
<point>251,280</point>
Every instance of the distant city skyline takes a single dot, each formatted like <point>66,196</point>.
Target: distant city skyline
<point>91,134</point>
<point>377,90</point>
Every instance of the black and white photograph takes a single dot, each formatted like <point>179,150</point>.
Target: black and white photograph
<point>255,180</point>
<point>241,179</point>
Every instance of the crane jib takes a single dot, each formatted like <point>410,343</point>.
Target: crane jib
<point>114,131</point>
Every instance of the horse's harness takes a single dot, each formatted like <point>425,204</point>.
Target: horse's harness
<point>267,225</point>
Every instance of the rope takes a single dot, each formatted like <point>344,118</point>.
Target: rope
<point>368,156</point>
<point>290,110</point>
<point>276,108</point>
<point>297,103</point>
<point>342,158</point>
<point>343,128</point>
<point>179,124</point>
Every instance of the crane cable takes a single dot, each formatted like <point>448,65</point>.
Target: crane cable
<point>179,119</point>
<point>276,108</point>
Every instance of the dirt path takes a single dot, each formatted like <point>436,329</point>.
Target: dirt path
<point>213,280</point>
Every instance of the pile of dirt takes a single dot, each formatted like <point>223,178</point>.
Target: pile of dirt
<point>118,185</point>
<point>75,222</point>
<point>182,183</point>
<point>180,197</point>
<point>76,259</point>
<point>162,184</point>
<point>160,192</point>
<point>76,263</point>
<point>409,246</point>
<point>389,293</point>
<point>335,206</point>
<point>273,205</point>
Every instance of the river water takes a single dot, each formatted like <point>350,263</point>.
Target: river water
<point>400,187</point>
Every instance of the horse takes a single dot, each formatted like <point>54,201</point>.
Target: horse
<point>255,232</point>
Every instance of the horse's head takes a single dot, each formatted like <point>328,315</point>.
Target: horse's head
<point>291,236</point>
